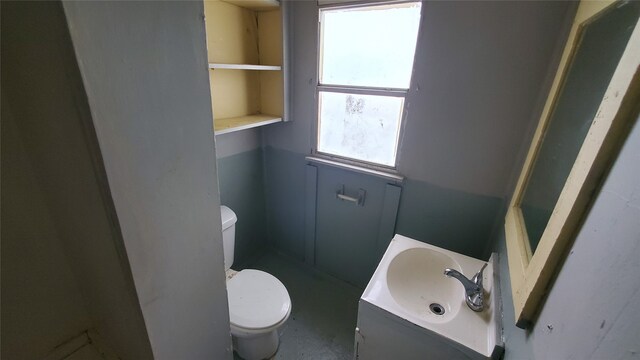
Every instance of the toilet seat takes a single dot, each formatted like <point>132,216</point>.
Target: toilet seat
<point>257,300</point>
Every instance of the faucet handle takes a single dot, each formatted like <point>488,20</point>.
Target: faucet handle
<point>477,278</point>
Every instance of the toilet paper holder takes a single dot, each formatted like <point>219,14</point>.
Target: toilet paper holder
<point>340,194</point>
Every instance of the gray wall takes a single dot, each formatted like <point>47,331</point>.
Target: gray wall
<point>592,310</point>
<point>42,305</point>
<point>479,73</point>
<point>238,142</point>
<point>41,85</point>
<point>144,68</point>
<point>240,161</point>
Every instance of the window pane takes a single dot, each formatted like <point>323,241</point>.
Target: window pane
<point>369,46</point>
<point>361,127</point>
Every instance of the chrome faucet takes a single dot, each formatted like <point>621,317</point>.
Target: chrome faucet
<point>474,292</point>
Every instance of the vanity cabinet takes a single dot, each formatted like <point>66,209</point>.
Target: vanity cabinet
<point>411,310</point>
<point>245,48</point>
<point>381,335</point>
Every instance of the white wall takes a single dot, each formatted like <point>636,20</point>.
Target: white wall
<point>144,68</point>
<point>593,308</point>
<point>480,68</point>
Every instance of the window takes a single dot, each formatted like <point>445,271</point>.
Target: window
<point>365,63</point>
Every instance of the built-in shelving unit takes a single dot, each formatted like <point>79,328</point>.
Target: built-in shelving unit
<point>256,5</point>
<point>245,51</point>
<point>244,67</point>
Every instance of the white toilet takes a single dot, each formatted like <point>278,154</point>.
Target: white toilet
<point>258,302</point>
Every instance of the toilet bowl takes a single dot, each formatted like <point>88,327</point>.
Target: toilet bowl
<point>259,303</point>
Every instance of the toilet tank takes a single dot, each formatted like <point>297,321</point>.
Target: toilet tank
<point>229,219</point>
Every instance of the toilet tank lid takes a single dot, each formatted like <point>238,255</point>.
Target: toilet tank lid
<point>228,217</point>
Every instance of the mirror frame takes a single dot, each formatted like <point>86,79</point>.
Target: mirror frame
<point>531,274</point>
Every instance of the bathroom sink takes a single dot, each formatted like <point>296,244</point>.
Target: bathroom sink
<point>416,282</point>
<point>412,294</point>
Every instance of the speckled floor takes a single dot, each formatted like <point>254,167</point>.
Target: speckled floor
<point>323,318</point>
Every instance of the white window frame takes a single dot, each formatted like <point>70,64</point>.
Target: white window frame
<point>361,90</point>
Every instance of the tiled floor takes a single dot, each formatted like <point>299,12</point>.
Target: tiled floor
<point>323,318</point>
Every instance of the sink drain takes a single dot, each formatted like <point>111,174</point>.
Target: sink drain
<point>436,309</point>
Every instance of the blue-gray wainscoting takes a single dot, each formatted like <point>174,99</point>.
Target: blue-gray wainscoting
<point>451,219</point>
<point>285,182</point>
<point>241,182</point>
<point>348,239</point>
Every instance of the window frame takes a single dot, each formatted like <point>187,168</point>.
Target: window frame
<point>361,90</point>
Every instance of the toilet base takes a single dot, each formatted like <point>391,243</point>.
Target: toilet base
<point>256,347</point>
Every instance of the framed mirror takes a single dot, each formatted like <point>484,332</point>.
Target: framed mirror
<point>594,97</point>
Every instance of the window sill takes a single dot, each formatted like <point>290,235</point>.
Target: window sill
<point>389,175</point>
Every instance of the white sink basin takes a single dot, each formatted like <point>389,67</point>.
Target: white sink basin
<point>410,278</point>
<point>415,279</point>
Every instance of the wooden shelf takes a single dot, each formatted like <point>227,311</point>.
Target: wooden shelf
<point>257,5</point>
<point>245,59</point>
<point>223,126</point>
<point>243,67</point>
